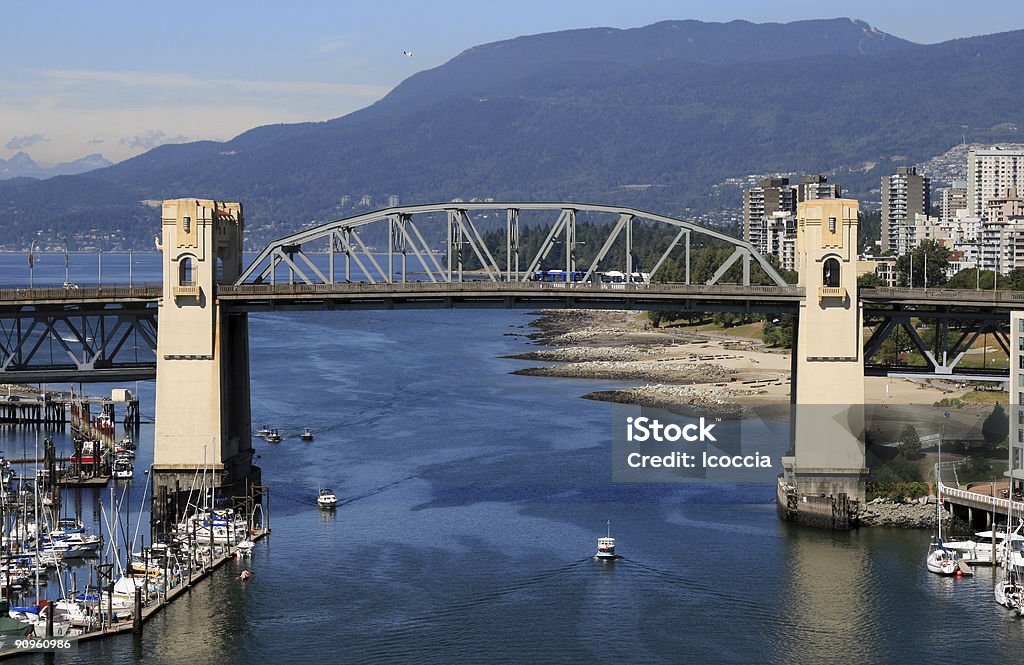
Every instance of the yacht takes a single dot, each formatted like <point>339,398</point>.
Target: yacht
<point>274,436</point>
<point>606,545</point>
<point>307,434</point>
<point>263,431</point>
<point>327,499</point>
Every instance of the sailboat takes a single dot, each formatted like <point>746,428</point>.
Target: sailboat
<point>939,559</point>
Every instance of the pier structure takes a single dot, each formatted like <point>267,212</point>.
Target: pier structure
<point>203,418</point>
<point>32,409</point>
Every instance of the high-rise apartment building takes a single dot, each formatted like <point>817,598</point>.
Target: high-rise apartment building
<point>990,171</point>
<point>904,195</point>
<point>769,212</point>
<point>952,200</point>
<point>816,187</point>
<point>760,204</point>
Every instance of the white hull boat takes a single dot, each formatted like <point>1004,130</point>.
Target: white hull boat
<point>327,499</point>
<point>940,560</point>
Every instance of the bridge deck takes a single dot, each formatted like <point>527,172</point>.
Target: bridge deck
<point>656,292</point>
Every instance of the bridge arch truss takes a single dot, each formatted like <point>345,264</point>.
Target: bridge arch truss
<point>439,238</point>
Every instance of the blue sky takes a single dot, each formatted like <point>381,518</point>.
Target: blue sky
<point>120,77</point>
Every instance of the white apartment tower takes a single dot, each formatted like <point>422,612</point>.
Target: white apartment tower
<point>990,172</point>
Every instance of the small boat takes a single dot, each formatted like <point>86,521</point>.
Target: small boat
<point>274,436</point>
<point>327,499</point>
<point>123,469</point>
<point>606,545</point>
<point>127,443</point>
<point>307,434</point>
<point>244,549</point>
<point>92,452</point>
<point>263,431</point>
<point>940,560</point>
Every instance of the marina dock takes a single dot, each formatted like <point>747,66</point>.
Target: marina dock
<point>151,609</point>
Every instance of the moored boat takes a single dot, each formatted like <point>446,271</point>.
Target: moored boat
<point>940,560</point>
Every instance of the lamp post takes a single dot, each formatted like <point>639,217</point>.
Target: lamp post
<point>31,264</point>
<point>67,275</point>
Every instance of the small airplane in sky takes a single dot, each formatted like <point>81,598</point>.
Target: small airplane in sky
<point>407,54</point>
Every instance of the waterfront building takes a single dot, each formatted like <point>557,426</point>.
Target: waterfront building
<point>1015,471</point>
<point>904,195</point>
<point>991,171</point>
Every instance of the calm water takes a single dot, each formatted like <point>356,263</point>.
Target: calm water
<point>471,501</point>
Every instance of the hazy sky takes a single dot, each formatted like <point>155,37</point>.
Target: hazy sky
<point>118,78</point>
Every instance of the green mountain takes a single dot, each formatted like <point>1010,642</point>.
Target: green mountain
<point>651,117</point>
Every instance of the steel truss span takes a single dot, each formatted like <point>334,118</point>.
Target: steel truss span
<point>81,342</point>
<point>400,235</point>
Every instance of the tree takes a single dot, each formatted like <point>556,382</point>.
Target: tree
<point>910,443</point>
<point>971,278</point>
<point>778,331</point>
<point>869,280</point>
<point>996,426</point>
<point>937,262</point>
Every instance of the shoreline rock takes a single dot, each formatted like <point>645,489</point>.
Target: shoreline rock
<point>666,372</point>
<point>909,516</point>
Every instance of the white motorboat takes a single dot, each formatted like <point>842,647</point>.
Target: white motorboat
<point>327,499</point>
<point>245,548</point>
<point>606,545</point>
<point>984,548</point>
<point>274,436</point>
<point>263,431</point>
<point>122,470</point>
<point>307,434</point>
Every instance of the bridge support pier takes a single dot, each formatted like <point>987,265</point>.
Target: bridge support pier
<point>203,425</point>
<point>824,479</point>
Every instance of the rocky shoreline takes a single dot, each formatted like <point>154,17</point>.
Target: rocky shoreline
<point>692,374</point>
<point>909,516</point>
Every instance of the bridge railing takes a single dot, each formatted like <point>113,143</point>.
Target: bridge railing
<point>996,503</point>
<point>509,287</point>
<point>972,295</point>
<point>146,291</point>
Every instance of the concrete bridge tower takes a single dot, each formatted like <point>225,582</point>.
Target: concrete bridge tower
<point>828,467</point>
<point>202,372</point>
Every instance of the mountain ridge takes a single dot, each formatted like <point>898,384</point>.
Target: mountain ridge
<point>582,130</point>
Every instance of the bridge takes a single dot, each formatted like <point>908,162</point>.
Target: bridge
<point>479,256</point>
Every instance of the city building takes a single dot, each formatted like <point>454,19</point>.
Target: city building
<point>1015,471</point>
<point>904,195</point>
<point>760,205</point>
<point>816,187</point>
<point>991,171</point>
<point>769,213</point>
<point>953,202</point>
